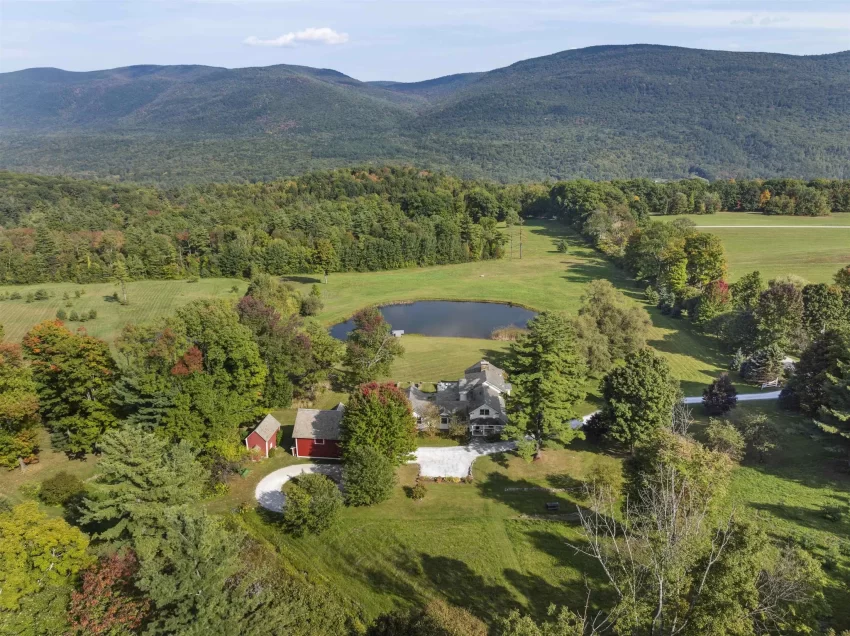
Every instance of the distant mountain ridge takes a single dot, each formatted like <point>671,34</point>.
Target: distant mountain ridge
<point>599,112</point>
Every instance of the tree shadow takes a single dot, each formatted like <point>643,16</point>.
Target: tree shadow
<point>496,357</point>
<point>304,280</point>
<point>838,524</point>
<point>464,588</point>
<point>529,498</point>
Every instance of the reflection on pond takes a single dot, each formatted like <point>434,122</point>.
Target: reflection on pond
<point>447,318</point>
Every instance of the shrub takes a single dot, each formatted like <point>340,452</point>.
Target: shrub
<point>761,435</point>
<point>77,293</point>
<point>30,297</point>
<point>725,438</point>
<point>235,289</point>
<point>738,358</point>
<point>92,314</point>
<point>651,295</point>
<point>418,492</point>
<point>311,305</point>
<point>313,503</point>
<point>562,246</point>
<point>41,294</point>
<point>720,396</point>
<point>15,295</point>
<point>368,476</point>
<point>65,296</point>
<point>60,489</point>
<point>192,279</point>
<point>73,316</point>
<point>61,314</point>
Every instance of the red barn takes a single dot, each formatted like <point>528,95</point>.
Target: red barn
<point>316,433</point>
<point>264,437</point>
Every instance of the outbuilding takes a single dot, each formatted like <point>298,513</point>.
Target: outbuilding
<point>264,437</point>
<point>316,433</point>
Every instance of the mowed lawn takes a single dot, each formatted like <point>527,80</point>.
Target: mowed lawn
<point>148,301</point>
<point>490,545</point>
<point>812,247</point>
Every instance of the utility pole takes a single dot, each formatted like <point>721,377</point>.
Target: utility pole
<point>520,239</point>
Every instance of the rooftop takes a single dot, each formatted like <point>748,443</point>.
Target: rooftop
<point>268,428</point>
<point>318,424</point>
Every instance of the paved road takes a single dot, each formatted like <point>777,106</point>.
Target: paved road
<point>434,461</point>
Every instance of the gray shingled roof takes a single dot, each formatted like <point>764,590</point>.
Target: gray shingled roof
<point>268,427</point>
<point>484,371</point>
<point>419,400</point>
<point>318,424</point>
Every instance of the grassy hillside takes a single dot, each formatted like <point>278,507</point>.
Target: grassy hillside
<point>600,112</point>
<point>812,247</point>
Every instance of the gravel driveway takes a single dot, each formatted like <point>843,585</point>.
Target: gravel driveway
<point>455,461</point>
<point>268,492</point>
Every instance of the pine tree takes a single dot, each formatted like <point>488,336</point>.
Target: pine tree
<point>547,375</point>
<point>835,413</point>
<point>141,475</point>
<point>638,397</point>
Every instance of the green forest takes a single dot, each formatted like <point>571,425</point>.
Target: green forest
<point>603,112</point>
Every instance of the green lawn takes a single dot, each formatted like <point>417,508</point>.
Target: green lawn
<point>810,248</point>
<point>489,548</point>
<point>148,300</point>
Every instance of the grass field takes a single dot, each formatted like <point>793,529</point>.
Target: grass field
<point>811,248</point>
<point>489,548</point>
<point>148,300</point>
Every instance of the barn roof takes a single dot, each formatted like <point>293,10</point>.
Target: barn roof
<point>268,428</point>
<point>318,424</point>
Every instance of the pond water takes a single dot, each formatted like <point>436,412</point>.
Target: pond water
<point>447,318</point>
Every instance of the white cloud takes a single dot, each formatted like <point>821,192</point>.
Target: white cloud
<point>312,35</point>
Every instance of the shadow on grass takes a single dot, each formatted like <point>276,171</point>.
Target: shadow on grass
<point>463,587</point>
<point>304,280</point>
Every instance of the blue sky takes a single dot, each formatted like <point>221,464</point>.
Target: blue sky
<point>404,40</point>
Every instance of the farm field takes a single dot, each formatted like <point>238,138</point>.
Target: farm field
<point>489,548</point>
<point>148,300</point>
<point>815,251</point>
<point>542,279</point>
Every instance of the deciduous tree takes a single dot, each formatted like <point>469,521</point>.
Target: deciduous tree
<point>368,477</point>
<point>19,411</point>
<point>313,502</point>
<point>379,416</point>
<point>720,396</point>
<point>371,347</point>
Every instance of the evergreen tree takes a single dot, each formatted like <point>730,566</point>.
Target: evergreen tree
<point>379,416</point>
<point>313,503</point>
<point>821,357</point>
<point>141,476</point>
<point>547,375</point>
<point>720,397</point>
<point>765,365</point>
<point>638,397</point>
<point>834,415</point>
<point>368,477</point>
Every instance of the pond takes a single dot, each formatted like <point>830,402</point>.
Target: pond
<point>458,319</point>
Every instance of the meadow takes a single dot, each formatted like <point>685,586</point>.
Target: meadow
<point>812,247</point>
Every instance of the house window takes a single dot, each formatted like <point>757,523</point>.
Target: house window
<point>444,420</point>
<point>319,442</point>
<point>484,412</point>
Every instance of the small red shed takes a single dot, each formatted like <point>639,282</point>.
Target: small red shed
<point>316,433</point>
<point>264,437</point>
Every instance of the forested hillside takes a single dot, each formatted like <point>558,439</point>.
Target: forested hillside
<point>602,112</point>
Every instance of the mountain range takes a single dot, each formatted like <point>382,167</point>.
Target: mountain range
<point>599,112</point>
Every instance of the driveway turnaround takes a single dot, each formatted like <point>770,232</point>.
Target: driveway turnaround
<point>455,461</point>
<point>268,492</point>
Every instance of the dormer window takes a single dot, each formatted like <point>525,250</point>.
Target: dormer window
<point>484,412</point>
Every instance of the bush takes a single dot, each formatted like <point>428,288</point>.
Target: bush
<point>562,246</point>
<point>368,476</point>
<point>41,294</point>
<point>651,295</point>
<point>738,359</point>
<point>30,297</point>
<point>15,295</point>
<point>720,396</point>
<point>92,314</point>
<point>62,315</point>
<point>311,305</point>
<point>725,438</point>
<point>418,492</point>
<point>192,279</point>
<point>74,316</point>
<point>313,503</point>
<point>60,489</point>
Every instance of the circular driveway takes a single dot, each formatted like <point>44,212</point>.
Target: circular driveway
<point>268,493</point>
